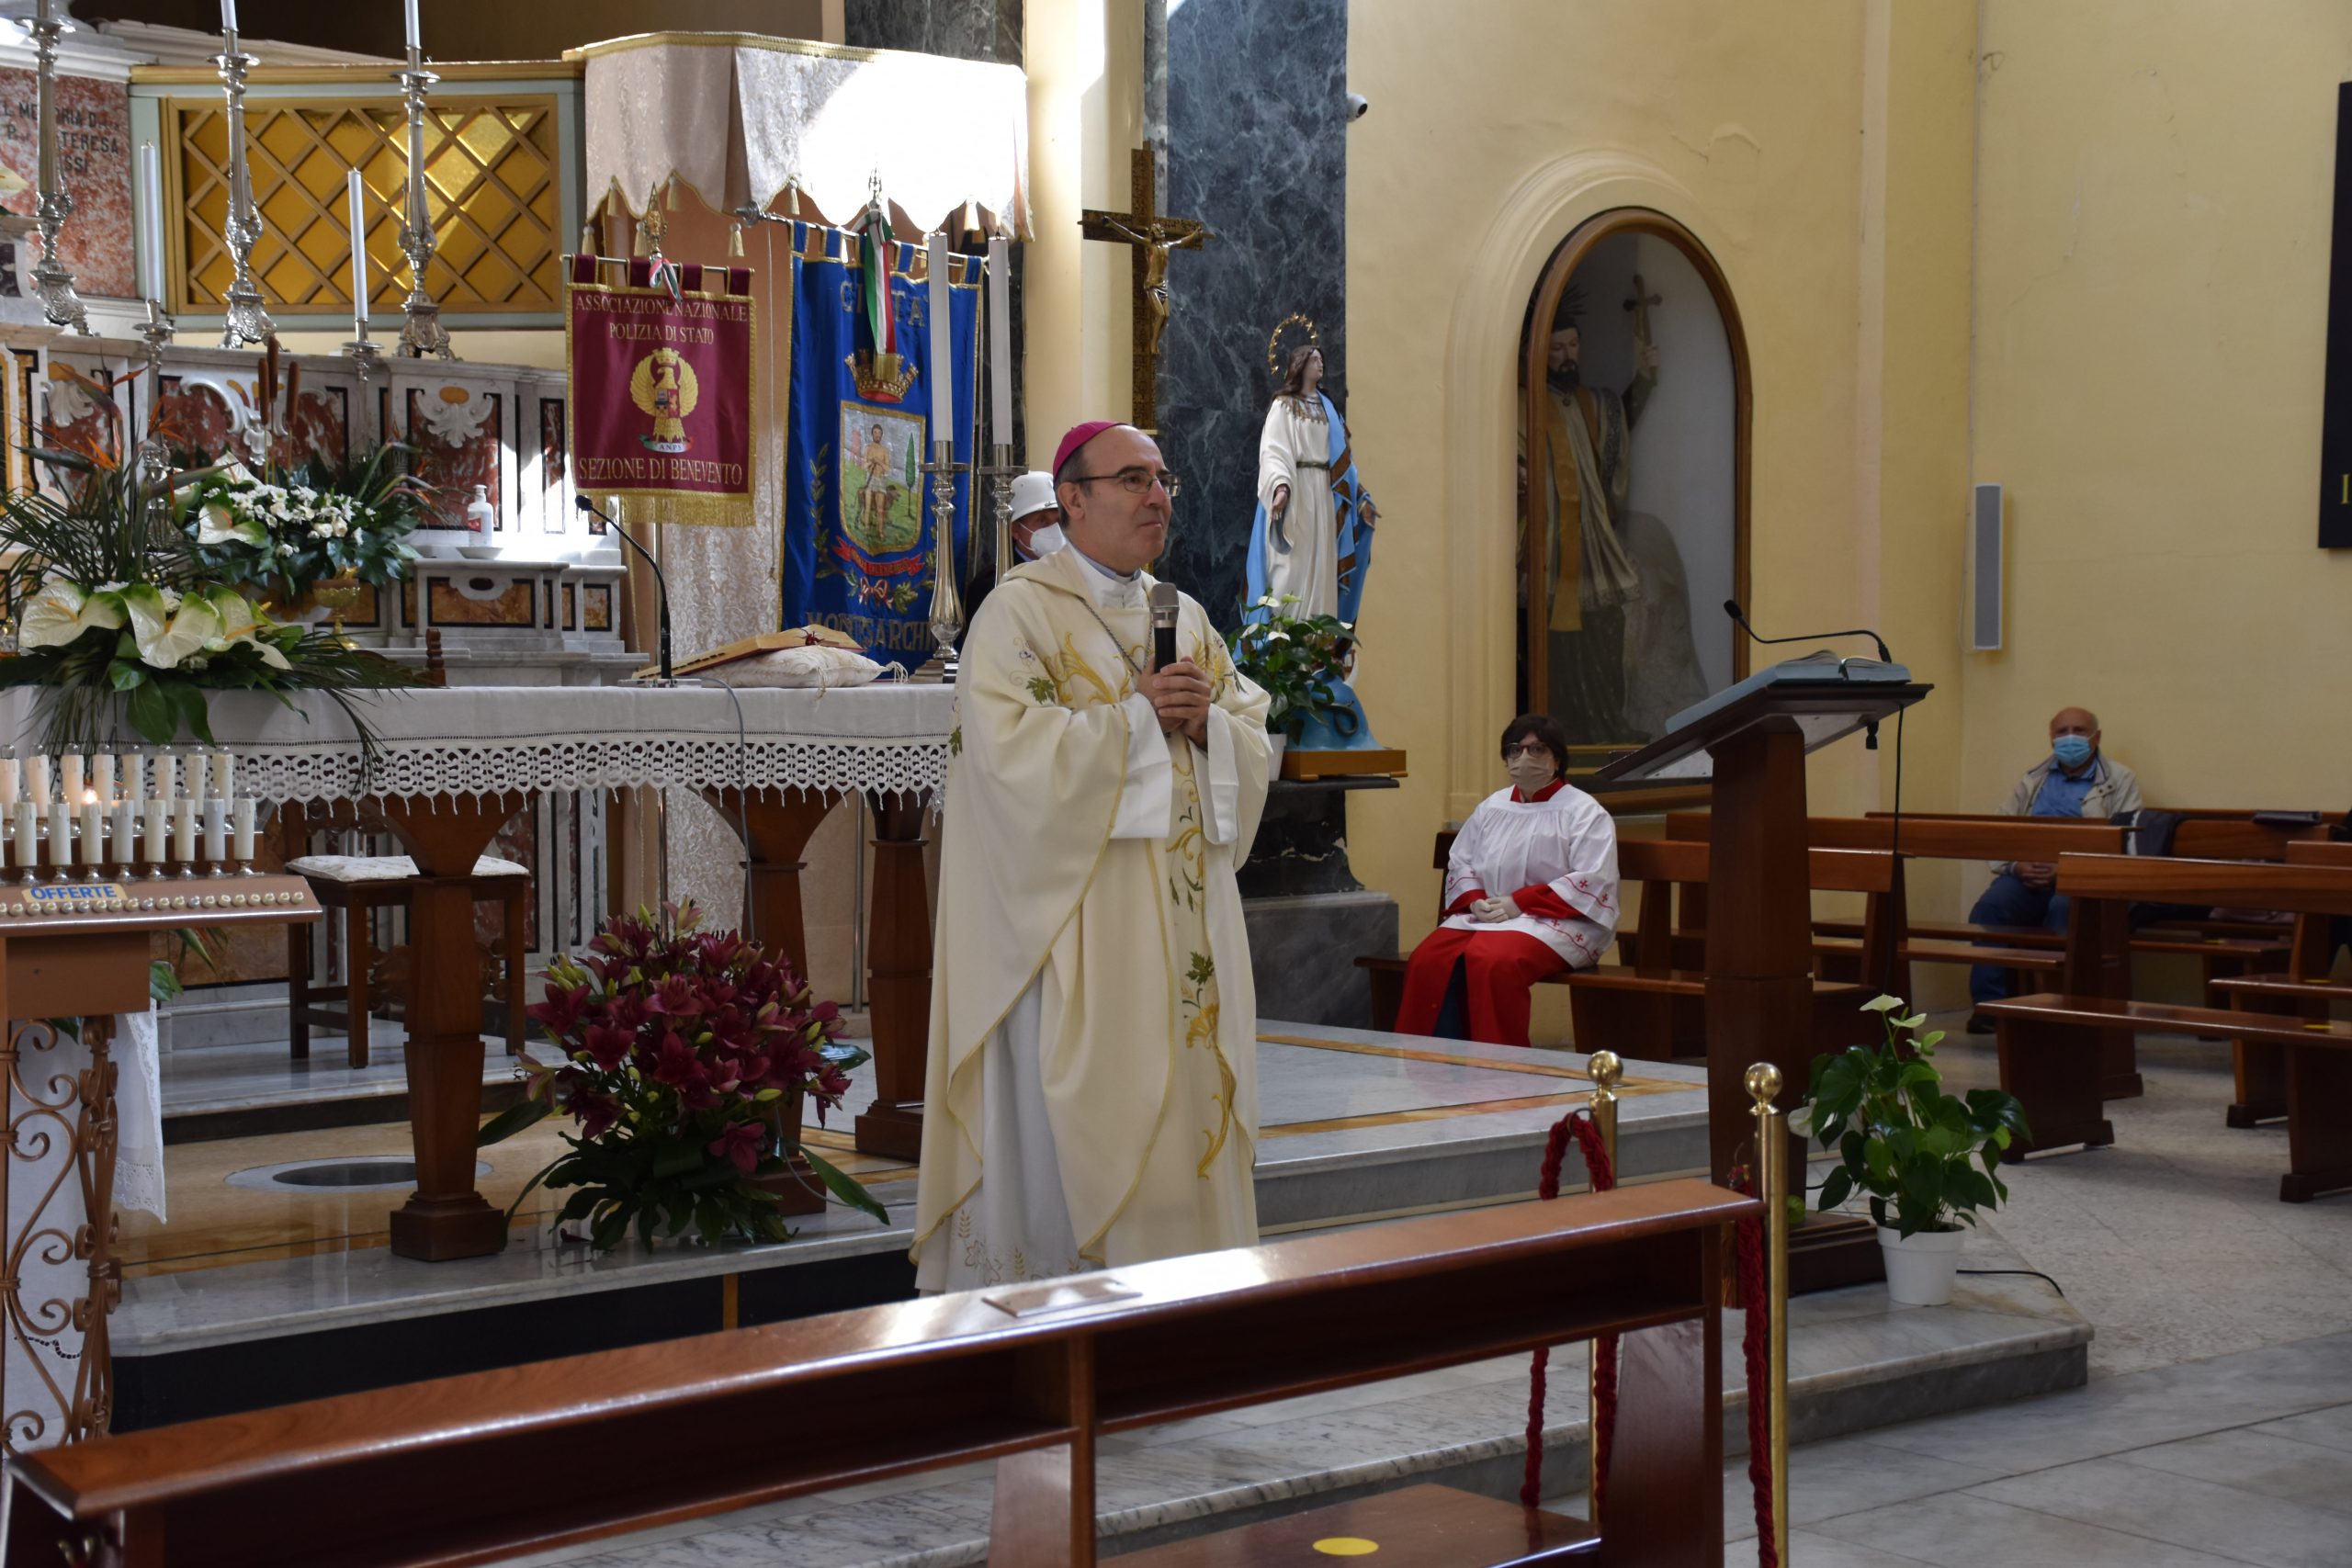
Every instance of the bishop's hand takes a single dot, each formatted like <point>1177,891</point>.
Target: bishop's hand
<point>1180,695</point>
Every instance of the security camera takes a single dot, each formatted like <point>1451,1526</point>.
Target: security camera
<point>1358,105</point>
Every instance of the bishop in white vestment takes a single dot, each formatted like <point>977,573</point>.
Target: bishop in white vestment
<point>1091,1091</point>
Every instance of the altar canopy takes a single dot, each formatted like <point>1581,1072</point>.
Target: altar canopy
<point>739,116</point>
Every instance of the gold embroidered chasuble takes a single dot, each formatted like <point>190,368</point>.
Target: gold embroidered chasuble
<point>1091,993</point>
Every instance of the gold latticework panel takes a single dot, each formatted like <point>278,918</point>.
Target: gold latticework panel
<point>491,176</point>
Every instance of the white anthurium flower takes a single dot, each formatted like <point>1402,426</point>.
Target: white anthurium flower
<point>241,626</point>
<point>52,616</point>
<point>219,526</point>
<point>165,644</point>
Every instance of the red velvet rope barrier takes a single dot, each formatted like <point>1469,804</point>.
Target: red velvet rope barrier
<point>1755,1344</point>
<point>1601,1177</point>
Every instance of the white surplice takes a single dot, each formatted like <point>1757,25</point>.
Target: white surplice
<point>1567,843</point>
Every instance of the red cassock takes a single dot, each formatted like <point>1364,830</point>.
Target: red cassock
<point>1555,854</point>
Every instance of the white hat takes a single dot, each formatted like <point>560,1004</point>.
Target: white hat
<point>1031,491</point>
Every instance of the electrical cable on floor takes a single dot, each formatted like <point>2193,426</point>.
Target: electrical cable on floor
<point>2031,1273</point>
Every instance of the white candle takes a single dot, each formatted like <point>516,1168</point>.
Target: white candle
<point>126,824</point>
<point>216,830</point>
<point>37,767</point>
<point>356,195</point>
<point>154,808</point>
<point>151,223</point>
<point>224,773</point>
<point>61,833</point>
<point>184,827</point>
<point>999,340</point>
<point>416,32</point>
<point>229,14</point>
<point>102,774</point>
<point>943,350</point>
<point>73,772</point>
<point>163,774</point>
<point>94,833</point>
<point>27,835</point>
<point>245,824</point>
<point>8,781</point>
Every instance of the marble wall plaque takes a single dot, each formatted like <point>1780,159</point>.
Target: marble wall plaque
<point>93,154</point>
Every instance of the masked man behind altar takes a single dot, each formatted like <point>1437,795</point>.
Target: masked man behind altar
<point>1091,1094</point>
<point>1530,888</point>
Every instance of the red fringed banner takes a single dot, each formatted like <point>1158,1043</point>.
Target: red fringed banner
<point>665,393</point>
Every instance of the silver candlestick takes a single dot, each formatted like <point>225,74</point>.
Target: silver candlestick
<point>424,333</point>
<point>947,605</point>
<point>52,281</point>
<point>1000,472</point>
<point>154,461</point>
<point>244,319</point>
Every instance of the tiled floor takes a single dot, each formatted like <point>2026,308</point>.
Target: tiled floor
<point>2241,1459</point>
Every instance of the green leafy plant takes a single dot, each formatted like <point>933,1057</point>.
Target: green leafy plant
<point>1298,663</point>
<point>286,532</point>
<point>1902,1140</point>
<point>688,1055</point>
<point>119,623</point>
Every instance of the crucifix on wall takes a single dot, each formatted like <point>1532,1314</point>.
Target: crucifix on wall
<point>1151,236</point>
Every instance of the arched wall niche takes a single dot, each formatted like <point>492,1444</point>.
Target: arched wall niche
<point>1483,368</point>
<point>1614,668</point>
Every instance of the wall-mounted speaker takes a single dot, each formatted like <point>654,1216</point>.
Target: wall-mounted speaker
<point>1981,615</point>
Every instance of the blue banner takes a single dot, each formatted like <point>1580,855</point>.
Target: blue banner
<point>857,519</point>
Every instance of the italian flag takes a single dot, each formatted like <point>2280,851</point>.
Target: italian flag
<point>874,251</point>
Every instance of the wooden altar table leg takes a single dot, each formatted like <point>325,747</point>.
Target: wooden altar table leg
<point>445,1217</point>
<point>898,979</point>
<point>780,826</point>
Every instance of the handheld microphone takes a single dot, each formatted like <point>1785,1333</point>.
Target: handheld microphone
<point>1163,625</point>
<point>661,583</point>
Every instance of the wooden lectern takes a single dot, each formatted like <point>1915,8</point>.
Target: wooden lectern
<point>1752,741</point>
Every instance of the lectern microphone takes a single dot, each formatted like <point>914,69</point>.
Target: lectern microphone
<point>1163,625</point>
<point>1870,731</point>
<point>661,583</point>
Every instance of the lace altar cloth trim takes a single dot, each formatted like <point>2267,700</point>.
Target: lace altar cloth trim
<point>489,740</point>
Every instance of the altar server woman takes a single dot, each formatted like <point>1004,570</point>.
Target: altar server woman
<point>1530,888</point>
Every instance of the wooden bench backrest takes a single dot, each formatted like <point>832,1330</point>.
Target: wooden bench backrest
<point>456,1468</point>
<point>1831,871</point>
<point>2212,835</point>
<point>2320,852</point>
<point>2299,886</point>
<point>1942,838</point>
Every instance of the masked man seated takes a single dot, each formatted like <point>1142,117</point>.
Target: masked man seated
<point>1531,889</point>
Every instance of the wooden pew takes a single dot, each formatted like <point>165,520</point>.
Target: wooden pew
<point>2047,1057</point>
<point>472,1470</point>
<point>1649,1005</point>
<point>2303,988</point>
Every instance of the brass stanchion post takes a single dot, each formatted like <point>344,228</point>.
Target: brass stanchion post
<point>1772,1190</point>
<point>1606,1069</point>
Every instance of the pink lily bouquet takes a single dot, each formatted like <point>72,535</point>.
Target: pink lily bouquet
<point>689,1056</point>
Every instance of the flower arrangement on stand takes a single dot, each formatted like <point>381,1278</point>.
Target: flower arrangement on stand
<point>689,1058</point>
<point>288,532</point>
<point>118,621</point>
<point>1303,665</point>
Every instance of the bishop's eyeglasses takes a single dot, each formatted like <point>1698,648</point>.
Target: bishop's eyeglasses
<point>1135,481</point>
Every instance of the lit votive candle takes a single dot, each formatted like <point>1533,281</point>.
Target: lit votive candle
<point>184,827</point>
<point>245,828</point>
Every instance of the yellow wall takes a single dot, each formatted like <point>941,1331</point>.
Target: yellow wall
<point>1489,138</point>
<point>2151,257</point>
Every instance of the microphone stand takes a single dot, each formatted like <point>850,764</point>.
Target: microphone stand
<point>661,583</point>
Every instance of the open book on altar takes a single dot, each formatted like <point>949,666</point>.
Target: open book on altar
<point>838,646</point>
<point>1820,668</point>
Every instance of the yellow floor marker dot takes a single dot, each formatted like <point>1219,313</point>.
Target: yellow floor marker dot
<point>1346,1546</point>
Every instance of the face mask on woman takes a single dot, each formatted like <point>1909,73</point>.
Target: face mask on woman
<point>1531,770</point>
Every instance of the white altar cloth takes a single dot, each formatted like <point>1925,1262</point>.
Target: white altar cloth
<point>532,739</point>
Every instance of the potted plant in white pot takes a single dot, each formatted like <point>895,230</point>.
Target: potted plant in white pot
<point>1913,1149</point>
